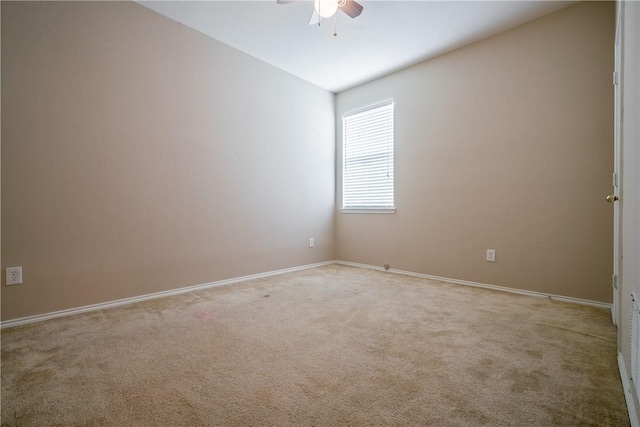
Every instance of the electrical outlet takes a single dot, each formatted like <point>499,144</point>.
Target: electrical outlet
<point>14,275</point>
<point>312,242</point>
<point>491,255</point>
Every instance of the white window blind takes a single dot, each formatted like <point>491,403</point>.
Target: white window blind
<point>367,178</point>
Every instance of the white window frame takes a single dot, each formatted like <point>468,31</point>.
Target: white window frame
<point>385,148</point>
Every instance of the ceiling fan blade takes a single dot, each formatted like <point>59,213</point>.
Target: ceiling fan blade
<point>315,18</point>
<point>352,8</point>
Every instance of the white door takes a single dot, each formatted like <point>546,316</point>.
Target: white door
<point>616,194</point>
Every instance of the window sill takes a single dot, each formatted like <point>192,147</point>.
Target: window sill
<point>368,210</point>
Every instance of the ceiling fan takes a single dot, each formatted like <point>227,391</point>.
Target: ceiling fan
<point>327,8</point>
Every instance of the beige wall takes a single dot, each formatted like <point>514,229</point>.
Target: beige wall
<point>505,144</point>
<point>139,156</point>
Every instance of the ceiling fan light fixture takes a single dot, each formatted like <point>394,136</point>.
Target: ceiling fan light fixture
<point>326,8</point>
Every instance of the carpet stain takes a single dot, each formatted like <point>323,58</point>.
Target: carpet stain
<point>525,381</point>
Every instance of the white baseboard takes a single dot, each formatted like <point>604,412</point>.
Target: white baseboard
<point>125,301</point>
<point>628,396</point>
<point>485,285</point>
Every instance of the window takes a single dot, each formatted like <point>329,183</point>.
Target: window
<point>367,168</point>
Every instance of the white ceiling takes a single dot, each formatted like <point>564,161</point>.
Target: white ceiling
<point>386,37</point>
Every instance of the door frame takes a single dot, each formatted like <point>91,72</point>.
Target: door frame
<point>617,143</point>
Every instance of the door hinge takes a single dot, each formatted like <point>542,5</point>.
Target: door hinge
<point>615,282</point>
<point>616,81</point>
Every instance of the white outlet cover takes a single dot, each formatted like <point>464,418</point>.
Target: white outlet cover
<point>14,275</point>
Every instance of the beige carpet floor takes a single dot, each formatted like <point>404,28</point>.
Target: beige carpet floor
<point>330,346</point>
